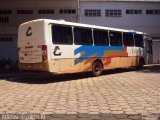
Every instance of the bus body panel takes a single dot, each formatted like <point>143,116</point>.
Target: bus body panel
<point>80,58</point>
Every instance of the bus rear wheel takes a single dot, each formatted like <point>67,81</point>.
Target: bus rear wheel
<point>97,68</point>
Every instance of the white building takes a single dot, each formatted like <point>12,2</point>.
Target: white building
<point>141,15</point>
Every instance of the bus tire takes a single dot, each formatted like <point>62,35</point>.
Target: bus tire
<point>97,68</point>
<point>141,64</point>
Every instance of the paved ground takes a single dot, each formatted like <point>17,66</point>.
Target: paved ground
<point>123,94</point>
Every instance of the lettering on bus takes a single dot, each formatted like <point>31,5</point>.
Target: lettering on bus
<point>55,52</point>
<point>136,51</point>
<point>29,31</point>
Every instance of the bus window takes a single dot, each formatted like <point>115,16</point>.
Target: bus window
<point>128,39</point>
<point>100,37</point>
<point>115,38</point>
<point>138,40</point>
<point>83,36</point>
<point>62,34</point>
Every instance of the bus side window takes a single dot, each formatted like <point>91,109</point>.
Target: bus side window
<point>56,34</point>
<point>78,36</point>
<point>83,36</point>
<point>128,39</point>
<point>100,37</point>
<point>115,38</point>
<point>87,37</point>
<point>138,40</point>
<point>62,34</point>
<point>67,35</point>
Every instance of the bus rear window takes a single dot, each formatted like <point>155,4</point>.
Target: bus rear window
<point>62,34</point>
<point>138,40</point>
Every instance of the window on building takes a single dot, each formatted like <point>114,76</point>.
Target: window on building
<point>83,36</point>
<point>4,19</point>
<point>113,13</point>
<point>62,34</point>
<point>92,12</point>
<point>5,12</point>
<point>154,12</point>
<point>67,11</point>
<point>100,37</point>
<point>46,11</point>
<point>138,40</point>
<point>133,11</point>
<point>24,11</point>
<point>128,39</point>
<point>6,39</point>
<point>115,38</point>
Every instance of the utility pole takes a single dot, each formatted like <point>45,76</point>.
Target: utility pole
<point>78,11</point>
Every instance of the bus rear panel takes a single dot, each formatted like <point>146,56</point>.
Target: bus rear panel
<point>32,46</point>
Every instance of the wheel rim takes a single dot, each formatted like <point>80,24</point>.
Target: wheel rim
<point>97,68</point>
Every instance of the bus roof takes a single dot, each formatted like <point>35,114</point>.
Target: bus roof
<point>63,22</point>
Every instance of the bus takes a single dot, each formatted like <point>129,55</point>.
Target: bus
<point>60,47</point>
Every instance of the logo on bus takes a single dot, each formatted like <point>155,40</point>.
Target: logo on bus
<point>55,52</point>
<point>29,31</point>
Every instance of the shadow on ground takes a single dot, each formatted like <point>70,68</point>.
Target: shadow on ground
<point>44,78</point>
<point>151,69</point>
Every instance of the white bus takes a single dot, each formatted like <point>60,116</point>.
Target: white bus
<point>59,47</point>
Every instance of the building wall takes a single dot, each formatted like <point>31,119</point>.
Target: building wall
<point>141,22</point>
<point>16,19</point>
<point>9,22</point>
<point>156,50</point>
<point>8,46</point>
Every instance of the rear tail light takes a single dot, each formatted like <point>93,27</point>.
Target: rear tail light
<point>44,52</point>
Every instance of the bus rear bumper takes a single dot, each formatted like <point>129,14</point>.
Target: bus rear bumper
<point>34,67</point>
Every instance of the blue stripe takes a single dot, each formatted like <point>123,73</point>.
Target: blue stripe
<point>91,50</point>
